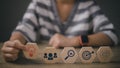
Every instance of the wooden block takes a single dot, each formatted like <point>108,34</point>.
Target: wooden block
<point>104,54</point>
<point>69,55</point>
<point>87,55</point>
<point>32,51</point>
<point>51,55</point>
<point>96,59</point>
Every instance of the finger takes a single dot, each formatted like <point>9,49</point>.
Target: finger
<point>15,44</point>
<point>51,41</point>
<point>55,45</point>
<point>10,57</point>
<point>10,50</point>
<point>19,45</point>
<point>8,44</point>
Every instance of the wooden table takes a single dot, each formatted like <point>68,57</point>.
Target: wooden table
<point>25,63</point>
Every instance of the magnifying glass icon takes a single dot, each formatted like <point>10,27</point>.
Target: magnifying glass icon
<point>70,53</point>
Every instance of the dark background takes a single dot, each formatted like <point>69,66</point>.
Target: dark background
<point>11,11</point>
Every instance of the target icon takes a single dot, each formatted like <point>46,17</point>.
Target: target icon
<point>87,55</point>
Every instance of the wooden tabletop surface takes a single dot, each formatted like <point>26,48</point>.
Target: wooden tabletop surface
<point>25,63</point>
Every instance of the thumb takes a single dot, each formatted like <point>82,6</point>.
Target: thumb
<point>19,45</point>
<point>55,45</point>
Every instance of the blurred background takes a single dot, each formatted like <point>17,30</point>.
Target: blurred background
<point>11,11</point>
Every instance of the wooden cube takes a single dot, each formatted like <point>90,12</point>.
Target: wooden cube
<point>104,54</point>
<point>87,55</point>
<point>69,55</point>
<point>51,55</point>
<point>31,51</point>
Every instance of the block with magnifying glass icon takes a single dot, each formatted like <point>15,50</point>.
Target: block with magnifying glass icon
<point>69,55</point>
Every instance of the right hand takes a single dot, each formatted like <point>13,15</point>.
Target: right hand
<point>11,49</point>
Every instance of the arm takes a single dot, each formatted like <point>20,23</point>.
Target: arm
<point>18,36</point>
<point>103,32</point>
<point>98,39</point>
<point>11,48</point>
<point>25,31</point>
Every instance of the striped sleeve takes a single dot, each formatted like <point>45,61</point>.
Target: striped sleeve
<point>102,24</point>
<point>28,25</point>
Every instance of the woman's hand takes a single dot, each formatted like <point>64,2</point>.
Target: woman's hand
<point>59,40</point>
<point>11,49</point>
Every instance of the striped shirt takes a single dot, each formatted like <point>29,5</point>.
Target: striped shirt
<point>41,21</point>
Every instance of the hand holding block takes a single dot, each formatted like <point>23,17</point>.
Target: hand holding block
<point>51,55</point>
<point>87,55</point>
<point>104,54</point>
<point>31,51</point>
<point>69,55</point>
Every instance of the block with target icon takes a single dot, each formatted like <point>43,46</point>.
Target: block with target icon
<point>69,55</point>
<point>87,55</point>
<point>104,54</point>
<point>51,55</point>
<point>31,51</point>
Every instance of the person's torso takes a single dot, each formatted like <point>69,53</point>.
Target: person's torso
<point>78,22</point>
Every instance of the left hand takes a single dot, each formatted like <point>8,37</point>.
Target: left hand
<point>59,40</point>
